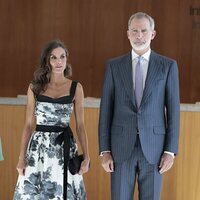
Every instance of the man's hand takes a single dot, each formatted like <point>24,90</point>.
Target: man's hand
<point>166,162</point>
<point>107,162</point>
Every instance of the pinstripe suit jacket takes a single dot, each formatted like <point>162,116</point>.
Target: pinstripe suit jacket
<point>157,119</point>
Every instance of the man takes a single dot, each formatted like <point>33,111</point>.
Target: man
<point>139,115</point>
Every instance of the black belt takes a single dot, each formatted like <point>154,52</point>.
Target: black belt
<point>63,137</point>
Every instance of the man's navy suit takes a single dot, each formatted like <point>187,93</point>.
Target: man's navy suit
<point>155,123</point>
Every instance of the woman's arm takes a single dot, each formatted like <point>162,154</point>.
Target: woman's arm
<point>80,127</point>
<point>27,131</point>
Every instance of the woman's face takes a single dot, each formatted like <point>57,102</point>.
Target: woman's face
<point>58,60</point>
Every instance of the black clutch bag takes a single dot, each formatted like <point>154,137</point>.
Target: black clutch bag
<point>75,164</point>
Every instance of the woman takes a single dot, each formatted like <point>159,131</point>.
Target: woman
<point>43,160</point>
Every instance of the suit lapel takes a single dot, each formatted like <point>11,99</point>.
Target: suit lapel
<point>153,74</point>
<point>125,71</point>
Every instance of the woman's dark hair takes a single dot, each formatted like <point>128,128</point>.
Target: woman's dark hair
<point>43,73</point>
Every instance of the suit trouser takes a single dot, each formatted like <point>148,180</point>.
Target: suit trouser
<point>136,168</point>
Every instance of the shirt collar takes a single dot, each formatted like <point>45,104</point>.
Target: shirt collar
<point>146,55</point>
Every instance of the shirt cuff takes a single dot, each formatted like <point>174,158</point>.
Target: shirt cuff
<point>101,154</point>
<point>170,153</point>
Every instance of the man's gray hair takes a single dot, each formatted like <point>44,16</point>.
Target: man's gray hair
<point>140,15</point>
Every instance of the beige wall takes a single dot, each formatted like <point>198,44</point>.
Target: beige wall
<point>181,183</point>
<point>94,31</point>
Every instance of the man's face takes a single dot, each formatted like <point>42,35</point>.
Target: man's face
<point>140,35</point>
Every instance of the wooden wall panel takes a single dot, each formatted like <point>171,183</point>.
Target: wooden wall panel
<point>182,182</point>
<point>11,124</point>
<point>97,181</point>
<point>94,31</point>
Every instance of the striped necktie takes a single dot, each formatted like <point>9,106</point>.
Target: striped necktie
<point>138,82</point>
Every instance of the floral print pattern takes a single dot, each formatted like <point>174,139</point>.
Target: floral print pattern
<point>43,178</point>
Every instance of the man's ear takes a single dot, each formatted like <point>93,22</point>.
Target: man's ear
<point>128,34</point>
<point>153,34</point>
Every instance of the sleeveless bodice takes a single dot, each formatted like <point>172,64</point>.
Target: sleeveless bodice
<point>53,112</point>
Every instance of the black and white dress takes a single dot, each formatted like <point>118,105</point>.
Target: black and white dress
<point>44,173</point>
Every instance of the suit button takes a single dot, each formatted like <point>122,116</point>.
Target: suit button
<point>137,130</point>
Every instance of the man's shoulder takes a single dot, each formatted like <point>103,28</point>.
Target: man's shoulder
<point>120,59</point>
<point>162,58</point>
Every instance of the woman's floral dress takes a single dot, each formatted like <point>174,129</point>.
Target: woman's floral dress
<point>43,178</point>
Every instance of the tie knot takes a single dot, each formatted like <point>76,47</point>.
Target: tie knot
<point>139,61</point>
<point>139,58</point>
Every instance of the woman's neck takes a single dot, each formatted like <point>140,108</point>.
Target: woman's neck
<point>57,79</point>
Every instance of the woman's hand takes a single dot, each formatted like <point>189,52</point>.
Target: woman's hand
<point>21,166</point>
<point>85,165</point>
